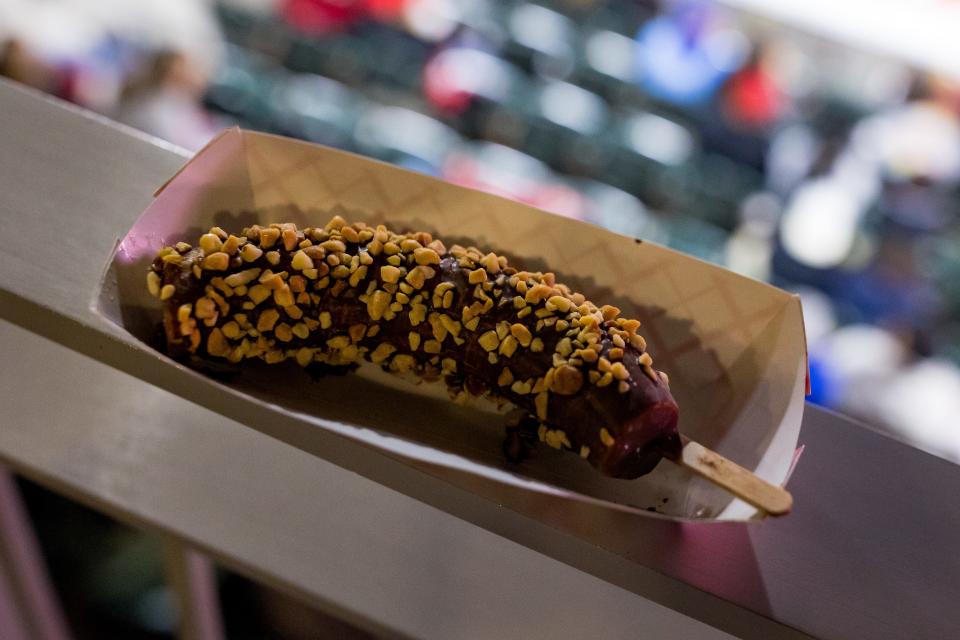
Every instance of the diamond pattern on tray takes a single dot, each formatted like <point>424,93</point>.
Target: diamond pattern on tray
<point>695,323</point>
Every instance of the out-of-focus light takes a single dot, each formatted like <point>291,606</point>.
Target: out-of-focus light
<point>859,350</point>
<point>793,68</point>
<point>726,49</point>
<point>760,211</point>
<point>684,56</point>
<point>857,175</point>
<point>750,248</point>
<point>790,156</point>
<point>659,139</point>
<point>820,224</point>
<point>507,169</point>
<point>453,76</point>
<point>383,10</point>
<point>560,199</point>
<point>918,139</point>
<point>752,98</point>
<point>314,107</point>
<point>619,211</point>
<point>51,30</point>
<point>819,316</point>
<point>513,174</point>
<point>885,84</point>
<point>406,131</point>
<point>929,419</point>
<point>571,106</point>
<point>541,29</point>
<point>185,26</point>
<point>479,17</point>
<point>322,16</point>
<point>260,7</point>
<point>312,96</point>
<point>431,20</point>
<point>611,53</point>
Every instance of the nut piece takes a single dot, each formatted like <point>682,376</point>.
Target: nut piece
<point>304,356</point>
<point>426,256</point>
<point>217,261</point>
<point>389,273</point>
<point>242,277</point>
<point>232,244</point>
<point>509,346</point>
<point>333,246</point>
<point>258,293</point>
<point>231,329</point>
<point>267,319</point>
<point>489,341</point>
<point>541,404</point>
<point>606,438</point>
<point>377,304</point>
<point>350,235</point>
<point>419,275</point>
<point>217,345</point>
<point>269,237</point>
<point>491,263</point>
<point>250,252</point>
<point>567,380</point>
<point>301,261</point>
<point>153,283</point>
<point>289,239</point>
<point>210,243</point>
<point>167,291</point>
<point>609,312</point>
<point>560,303</point>
<point>382,352</point>
<point>283,332</point>
<point>521,333</point>
<point>283,296</point>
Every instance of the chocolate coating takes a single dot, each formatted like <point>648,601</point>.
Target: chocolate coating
<point>344,293</point>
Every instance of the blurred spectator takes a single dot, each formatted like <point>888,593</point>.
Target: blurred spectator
<point>685,54</point>
<point>323,16</point>
<point>793,158</point>
<point>164,101</point>
<point>752,98</point>
<point>18,63</point>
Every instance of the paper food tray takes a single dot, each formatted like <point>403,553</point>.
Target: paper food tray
<point>734,348</point>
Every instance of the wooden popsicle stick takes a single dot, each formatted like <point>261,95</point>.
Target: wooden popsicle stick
<point>755,491</point>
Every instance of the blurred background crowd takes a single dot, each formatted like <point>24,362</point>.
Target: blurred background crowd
<point>811,144</point>
<point>760,136</point>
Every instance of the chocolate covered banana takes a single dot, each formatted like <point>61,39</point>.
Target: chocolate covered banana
<point>342,294</point>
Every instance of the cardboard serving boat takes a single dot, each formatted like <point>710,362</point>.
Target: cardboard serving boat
<point>734,348</point>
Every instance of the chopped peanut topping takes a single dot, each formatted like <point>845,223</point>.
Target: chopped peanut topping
<point>242,311</point>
